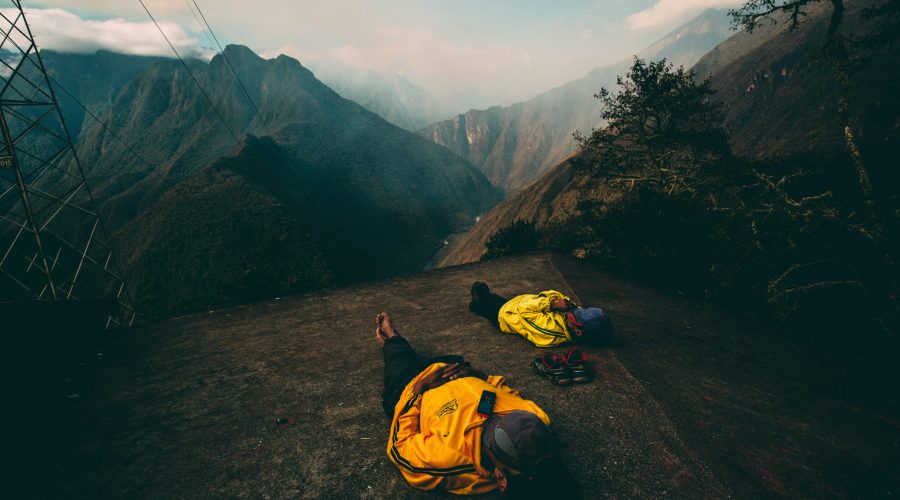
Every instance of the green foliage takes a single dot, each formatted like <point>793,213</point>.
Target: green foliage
<point>887,17</point>
<point>755,12</point>
<point>847,245</point>
<point>251,227</point>
<point>662,129</point>
<point>194,252</point>
<point>653,236</point>
<point>828,266</point>
<point>518,237</point>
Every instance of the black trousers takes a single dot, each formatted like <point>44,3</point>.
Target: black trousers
<point>486,303</point>
<point>401,364</point>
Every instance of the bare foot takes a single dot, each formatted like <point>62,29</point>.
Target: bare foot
<point>384,322</point>
<point>384,329</point>
<point>380,337</point>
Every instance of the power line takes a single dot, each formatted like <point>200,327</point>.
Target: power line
<point>209,39</point>
<point>188,69</point>
<point>107,128</point>
<point>222,51</point>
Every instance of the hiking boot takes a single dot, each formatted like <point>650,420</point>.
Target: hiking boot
<point>552,367</point>
<point>578,366</point>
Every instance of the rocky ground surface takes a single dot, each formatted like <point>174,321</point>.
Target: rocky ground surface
<point>281,398</point>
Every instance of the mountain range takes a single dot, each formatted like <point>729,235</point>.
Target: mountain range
<point>333,191</point>
<point>515,145</point>
<point>94,79</point>
<point>386,94</point>
<point>215,206</point>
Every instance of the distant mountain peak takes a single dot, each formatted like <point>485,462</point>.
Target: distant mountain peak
<point>387,94</point>
<point>290,62</point>
<point>515,145</point>
<point>240,51</point>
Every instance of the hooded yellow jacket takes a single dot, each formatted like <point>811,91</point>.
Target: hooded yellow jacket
<point>530,316</point>
<point>435,437</point>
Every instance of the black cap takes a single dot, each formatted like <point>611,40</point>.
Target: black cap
<point>519,439</point>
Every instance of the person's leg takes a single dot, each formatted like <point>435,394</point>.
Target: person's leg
<point>485,303</point>
<point>401,362</point>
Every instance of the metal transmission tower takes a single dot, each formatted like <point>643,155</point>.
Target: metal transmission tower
<point>52,243</point>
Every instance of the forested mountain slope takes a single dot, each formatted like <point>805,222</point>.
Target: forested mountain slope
<point>338,179</point>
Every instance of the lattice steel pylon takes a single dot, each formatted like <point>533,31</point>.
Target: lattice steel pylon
<point>53,246</point>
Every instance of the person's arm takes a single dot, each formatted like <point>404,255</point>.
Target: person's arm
<point>558,301</point>
<point>562,305</point>
<point>546,301</point>
<point>499,382</point>
<point>466,370</point>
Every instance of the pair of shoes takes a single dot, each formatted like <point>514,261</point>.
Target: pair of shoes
<point>561,370</point>
<point>578,365</point>
<point>552,367</point>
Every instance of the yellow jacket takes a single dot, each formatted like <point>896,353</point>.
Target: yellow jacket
<point>530,316</point>
<point>435,438</point>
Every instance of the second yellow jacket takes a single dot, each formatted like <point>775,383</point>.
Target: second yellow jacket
<point>530,316</point>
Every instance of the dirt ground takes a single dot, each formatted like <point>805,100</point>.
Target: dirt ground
<point>281,399</point>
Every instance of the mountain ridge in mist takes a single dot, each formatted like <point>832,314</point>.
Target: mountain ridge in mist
<point>387,94</point>
<point>392,194</point>
<point>514,145</point>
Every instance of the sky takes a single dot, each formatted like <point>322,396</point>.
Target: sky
<point>469,53</point>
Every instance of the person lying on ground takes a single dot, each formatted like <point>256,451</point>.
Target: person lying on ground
<point>439,440</point>
<point>547,319</point>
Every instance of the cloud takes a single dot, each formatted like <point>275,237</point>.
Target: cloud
<point>672,12</point>
<point>60,30</point>
<point>484,73</point>
<point>417,52</point>
<point>446,47</point>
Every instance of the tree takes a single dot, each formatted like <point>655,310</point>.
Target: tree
<point>520,236</point>
<point>697,218</point>
<point>662,129</point>
<point>755,12</point>
<point>865,222</point>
